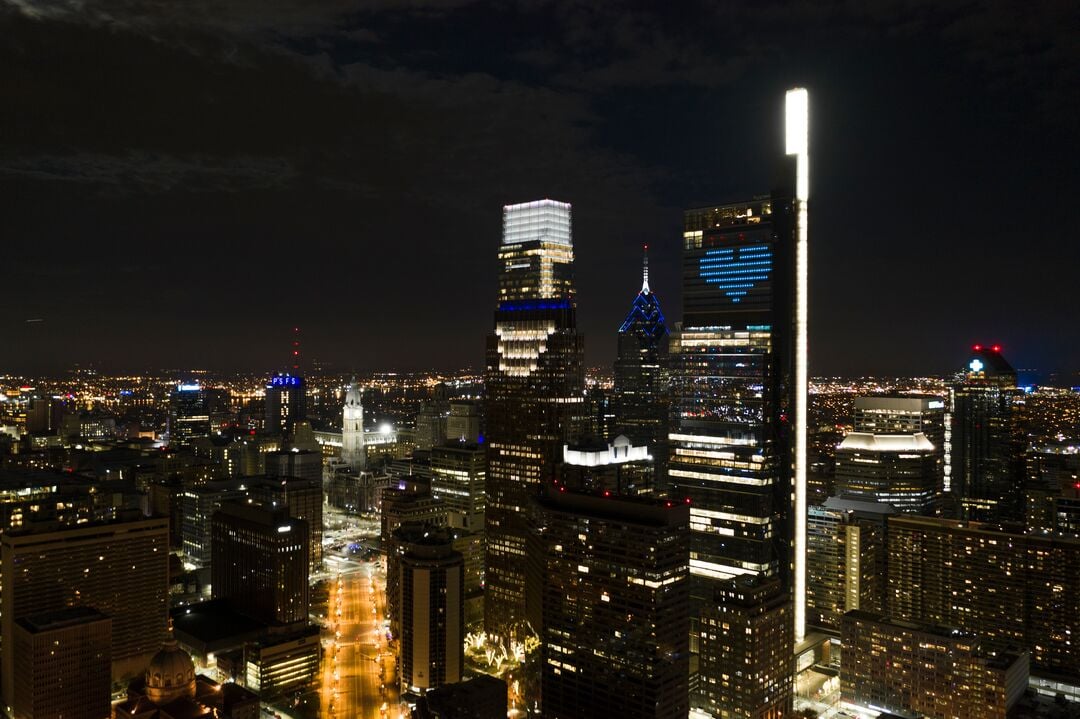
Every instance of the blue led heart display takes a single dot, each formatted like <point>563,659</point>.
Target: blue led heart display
<point>736,269</point>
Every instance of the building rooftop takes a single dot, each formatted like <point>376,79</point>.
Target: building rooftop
<point>887,442</point>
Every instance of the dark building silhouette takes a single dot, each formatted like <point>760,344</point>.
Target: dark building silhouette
<point>640,398</point>
<point>986,471</point>
<point>119,568</point>
<point>616,606</point>
<point>534,380</point>
<point>62,667</point>
<point>260,562</point>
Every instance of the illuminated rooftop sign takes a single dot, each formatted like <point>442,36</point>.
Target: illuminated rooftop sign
<point>284,380</point>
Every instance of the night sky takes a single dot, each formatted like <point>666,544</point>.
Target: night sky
<point>182,187</point>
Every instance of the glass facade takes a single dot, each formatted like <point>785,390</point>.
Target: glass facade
<point>534,381</point>
<point>731,441</point>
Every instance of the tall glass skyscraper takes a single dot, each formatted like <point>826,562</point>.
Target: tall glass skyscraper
<point>640,397</point>
<point>535,399</point>
<point>738,422</point>
<point>985,440</point>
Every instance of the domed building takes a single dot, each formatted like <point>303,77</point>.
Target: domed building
<point>170,689</point>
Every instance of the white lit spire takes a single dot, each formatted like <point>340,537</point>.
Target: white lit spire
<point>797,126</point>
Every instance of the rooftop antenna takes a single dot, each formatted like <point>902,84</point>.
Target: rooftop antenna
<point>645,272</point>
<point>296,351</point>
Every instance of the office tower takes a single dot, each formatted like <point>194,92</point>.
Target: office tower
<point>432,612</point>
<point>188,414</point>
<point>282,665</point>
<point>198,503</point>
<point>846,559</point>
<point>62,665</point>
<point>896,469</point>
<point>1053,490</point>
<point>640,396</point>
<point>617,467</point>
<point>353,451</point>
<point>119,568</point>
<point>302,497</point>
<point>907,668</point>
<point>896,453</point>
<point>431,421</point>
<point>738,378</point>
<point>458,474</point>
<point>404,505</point>
<point>463,424</point>
<point>985,469</point>
<point>616,606</point>
<point>534,383</point>
<point>260,562</point>
<point>746,663</point>
<point>44,415</point>
<point>1011,588</point>
<point>286,403</point>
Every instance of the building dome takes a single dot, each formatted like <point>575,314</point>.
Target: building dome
<point>171,675</point>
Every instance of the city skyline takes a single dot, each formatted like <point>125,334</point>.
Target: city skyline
<point>186,186</point>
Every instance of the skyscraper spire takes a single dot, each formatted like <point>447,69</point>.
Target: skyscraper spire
<point>296,350</point>
<point>645,272</point>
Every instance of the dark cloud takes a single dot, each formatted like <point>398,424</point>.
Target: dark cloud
<point>341,165</point>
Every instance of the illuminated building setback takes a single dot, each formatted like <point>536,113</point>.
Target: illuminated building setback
<point>535,395</point>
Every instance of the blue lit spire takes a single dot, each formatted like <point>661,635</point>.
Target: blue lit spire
<point>645,320</point>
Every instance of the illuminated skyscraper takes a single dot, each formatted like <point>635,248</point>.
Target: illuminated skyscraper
<point>738,385</point>
<point>188,414</point>
<point>286,402</point>
<point>986,470</point>
<point>534,381</point>
<point>640,397</point>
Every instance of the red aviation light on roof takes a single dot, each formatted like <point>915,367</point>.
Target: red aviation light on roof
<point>996,348</point>
<point>977,348</point>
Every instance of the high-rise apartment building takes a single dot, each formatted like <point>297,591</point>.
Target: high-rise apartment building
<point>432,612</point>
<point>640,396</point>
<point>985,470</point>
<point>119,568</point>
<point>260,562</point>
<point>1008,587</point>
<point>616,606</point>
<point>745,641</point>
<point>62,667</point>
<point>534,383</point>
<point>846,559</point>
<point>908,669</point>
<point>1053,490</point>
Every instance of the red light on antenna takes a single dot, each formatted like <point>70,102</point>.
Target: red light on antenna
<point>977,348</point>
<point>996,348</point>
